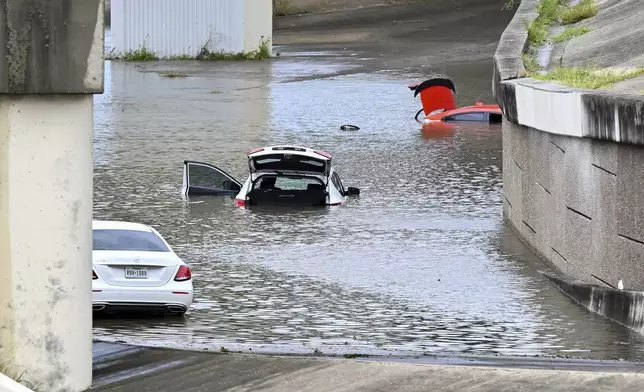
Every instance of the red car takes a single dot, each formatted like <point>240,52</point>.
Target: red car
<point>437,97</point>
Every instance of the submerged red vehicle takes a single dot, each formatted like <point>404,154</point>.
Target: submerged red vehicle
<point>439,105</point>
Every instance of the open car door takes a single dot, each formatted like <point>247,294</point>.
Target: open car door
<point>204,179</point>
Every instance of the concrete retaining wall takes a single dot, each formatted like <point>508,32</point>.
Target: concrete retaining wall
<point>571,166</point>
<point>185,28</point>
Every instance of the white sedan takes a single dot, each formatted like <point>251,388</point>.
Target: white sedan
<point>135,269</point>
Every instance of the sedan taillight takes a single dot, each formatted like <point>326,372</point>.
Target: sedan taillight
<point>183,274</point>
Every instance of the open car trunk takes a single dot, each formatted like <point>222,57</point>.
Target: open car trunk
<point>287,190</point>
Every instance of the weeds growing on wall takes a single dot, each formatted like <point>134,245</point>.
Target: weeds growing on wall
<point>580,11</point>
<point>588,78</point>
<point>570,33</point>
<point>262,52</point>
<point>530,63</point>
<point>547,15</point>
<point>141,54</point>
<point>552,12</point>
<point>18,377</point>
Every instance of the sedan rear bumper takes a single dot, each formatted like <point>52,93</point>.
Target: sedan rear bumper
<point>176,300</point>
<point>137,308</point>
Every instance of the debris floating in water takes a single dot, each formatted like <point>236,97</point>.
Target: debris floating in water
<point>348,127</point>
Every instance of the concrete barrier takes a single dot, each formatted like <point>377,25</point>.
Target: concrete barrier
<point>571,159</point>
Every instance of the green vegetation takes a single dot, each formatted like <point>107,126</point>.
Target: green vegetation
<point>354,355</point>
<point>509,5</point>
<point>284,7</point>
<point>173,74</point>
<point>549,13</point>
<point>570,33</point>
<point>583,10</point>
<point>262,52</point>
<point>180,57</point>
<point>7,371</point>
<point>537,32</point>
<point>224,350</point>
<point>216,92</point>
<point>588,78</point>
<point>141,54</point>
<point>548,10</point>
<point>530,63</point>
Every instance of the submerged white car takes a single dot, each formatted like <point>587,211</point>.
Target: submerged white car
<point>135,269</point>
<point>279,175</point>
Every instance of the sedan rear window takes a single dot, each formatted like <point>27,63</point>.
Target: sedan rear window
<point>128,240</point>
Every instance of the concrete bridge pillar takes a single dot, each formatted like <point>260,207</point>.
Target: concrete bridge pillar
<point>52,63</point>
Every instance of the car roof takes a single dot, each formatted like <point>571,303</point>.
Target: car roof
<point>119,225</point>
<point>466,110</point>
<point>290,149</point>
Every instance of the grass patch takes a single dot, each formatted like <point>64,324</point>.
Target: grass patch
<point>588,78</point>
<point>583,10</point>
<point>216,92</point>
<point>530,64</point>
<point>173,74</point>
<point>547,14</point>
<point>180,57</point>
<point>262,52</point>
<point>509,5</point>
<point>570,33</point>
<point>284,7</point>
<point>548,10</point>
<point>7,371</point>
<point>537,32</point>
<point>355,355</point>
<point>141,54</point>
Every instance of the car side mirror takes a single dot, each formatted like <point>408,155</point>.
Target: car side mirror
<point>351,191</point>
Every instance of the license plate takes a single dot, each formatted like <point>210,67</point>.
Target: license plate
<point>136,272</point>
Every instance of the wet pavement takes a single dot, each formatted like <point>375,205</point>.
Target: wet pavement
<point>421,263</point>
<point>125,368</point>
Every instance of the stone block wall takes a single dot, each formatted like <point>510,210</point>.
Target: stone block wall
<point>572,164</point>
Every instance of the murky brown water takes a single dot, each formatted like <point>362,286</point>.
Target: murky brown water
<point>421,262</point>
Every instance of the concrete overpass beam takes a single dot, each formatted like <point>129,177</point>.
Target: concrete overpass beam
<point>53,64</point>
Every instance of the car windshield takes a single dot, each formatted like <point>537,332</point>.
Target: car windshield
<point>128,240</point>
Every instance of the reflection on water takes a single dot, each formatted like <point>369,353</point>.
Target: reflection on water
<point>421,261</point>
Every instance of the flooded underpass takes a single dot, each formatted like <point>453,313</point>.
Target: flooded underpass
<point>421,262</point>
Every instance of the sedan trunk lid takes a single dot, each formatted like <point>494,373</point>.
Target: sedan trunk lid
<point>135,269</point>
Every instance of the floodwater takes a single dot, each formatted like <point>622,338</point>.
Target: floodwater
<point>421,262</point>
